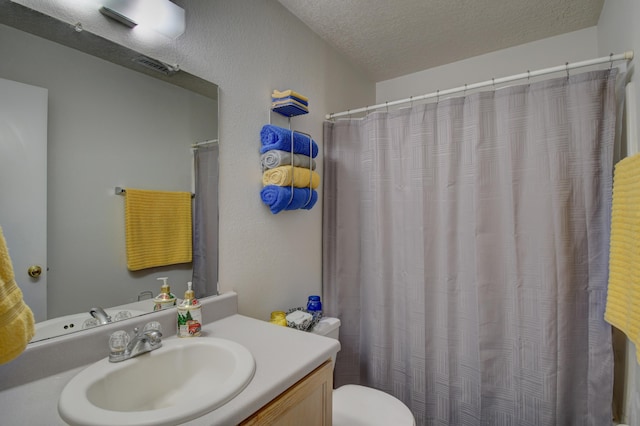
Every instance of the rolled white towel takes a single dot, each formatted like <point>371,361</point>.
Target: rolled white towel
<point>275,158</point>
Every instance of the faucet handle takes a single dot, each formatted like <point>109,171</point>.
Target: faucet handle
<point>118,342</point>
<point>153,326</point>
<point>153,332</point>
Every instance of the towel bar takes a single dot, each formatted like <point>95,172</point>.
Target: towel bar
<point>122,191</point>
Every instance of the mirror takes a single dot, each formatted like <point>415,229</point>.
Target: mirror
<point>112,122</point>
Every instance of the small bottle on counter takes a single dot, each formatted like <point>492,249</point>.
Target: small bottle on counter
<point>189,314</point>
<point>314,305</point>
<point>278,318</point>
<point>165,299</point>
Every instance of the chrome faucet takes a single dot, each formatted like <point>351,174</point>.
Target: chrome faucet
<point>123,347</point>
<point>99,314</point>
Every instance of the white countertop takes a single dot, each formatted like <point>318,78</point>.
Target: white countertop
<point>283,356</point>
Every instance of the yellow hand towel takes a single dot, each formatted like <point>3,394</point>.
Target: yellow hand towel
<point>16,319</point>
<point>623,295</point>
<point>282,176</point>
<point>158,228</point>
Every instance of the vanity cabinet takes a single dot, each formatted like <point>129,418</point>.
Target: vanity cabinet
<point>308,402</point>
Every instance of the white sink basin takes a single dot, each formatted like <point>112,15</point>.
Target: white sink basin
<point>180,381</point>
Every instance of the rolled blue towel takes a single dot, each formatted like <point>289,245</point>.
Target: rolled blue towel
<point>274,137</point>
<point>277,198</point>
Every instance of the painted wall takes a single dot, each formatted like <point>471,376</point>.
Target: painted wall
<point>618,31</point>
<point>573,46</point>
<point>108,126</point>
<point>249,48</point>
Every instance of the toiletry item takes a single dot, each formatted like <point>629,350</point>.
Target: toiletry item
<point>165,299</point>
<point>189,314</point>
<point>314,305</point>
<point>299,319</point>
<point>278,318</point>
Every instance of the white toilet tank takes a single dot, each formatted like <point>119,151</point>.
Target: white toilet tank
<point>355,405</point>
<point>328,327</point>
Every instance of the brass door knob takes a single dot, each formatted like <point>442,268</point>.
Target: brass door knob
<point>34,271</point>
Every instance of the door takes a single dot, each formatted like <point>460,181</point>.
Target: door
<point>23,187</point>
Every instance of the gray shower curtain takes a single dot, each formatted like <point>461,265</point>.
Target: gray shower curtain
<point>205,221</point>
<point>466,253</point>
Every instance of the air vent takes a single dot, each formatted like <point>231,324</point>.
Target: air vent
<point>156,65</point>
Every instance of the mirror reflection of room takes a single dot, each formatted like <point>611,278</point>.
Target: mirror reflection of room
<point>106,127</point>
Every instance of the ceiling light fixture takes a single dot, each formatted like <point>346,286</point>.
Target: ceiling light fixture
<point>162,16</point>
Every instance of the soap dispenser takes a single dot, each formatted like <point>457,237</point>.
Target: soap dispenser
<point>165,299</point>
<point>189,314</point>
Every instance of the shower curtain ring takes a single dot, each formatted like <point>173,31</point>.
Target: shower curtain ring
<point>566,67</point>
<point>465,90</point>
<point>528,76</point>
<point>411,101</point>
<point>610,61</point>
<point>438,96</point>
<point>386,105</point>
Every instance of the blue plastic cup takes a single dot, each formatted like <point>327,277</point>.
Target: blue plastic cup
<point>314,304</point>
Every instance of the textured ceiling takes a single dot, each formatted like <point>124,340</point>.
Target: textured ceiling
<point>391,38</point>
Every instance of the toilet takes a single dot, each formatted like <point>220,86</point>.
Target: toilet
<point>355,405</point>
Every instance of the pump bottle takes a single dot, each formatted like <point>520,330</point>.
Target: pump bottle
<point>165,299</point>
<point>189,314</point>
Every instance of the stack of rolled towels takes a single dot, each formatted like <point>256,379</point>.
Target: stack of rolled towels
<point>284,168</point>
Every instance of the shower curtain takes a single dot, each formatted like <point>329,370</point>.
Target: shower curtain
<point>465,250</point>
<point>205,221</point>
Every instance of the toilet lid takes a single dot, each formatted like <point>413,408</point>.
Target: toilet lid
<point>355,405</point>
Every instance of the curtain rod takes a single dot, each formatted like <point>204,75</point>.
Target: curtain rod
<point>626,56</point>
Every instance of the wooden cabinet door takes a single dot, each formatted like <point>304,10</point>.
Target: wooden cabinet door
<point>308,402</point>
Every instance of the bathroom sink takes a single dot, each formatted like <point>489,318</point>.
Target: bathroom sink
<point>180,381</point>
